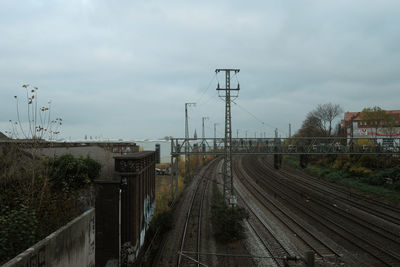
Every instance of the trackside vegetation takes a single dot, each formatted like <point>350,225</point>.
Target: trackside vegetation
<point>379,175</point>
<point>226,220</point>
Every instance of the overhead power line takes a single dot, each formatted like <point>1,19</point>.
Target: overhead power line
<point>254,116</point>
<point>207,88</point>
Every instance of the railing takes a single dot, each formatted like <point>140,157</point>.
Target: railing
<point>298,145</point>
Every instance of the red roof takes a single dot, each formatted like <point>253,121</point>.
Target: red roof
<point>355,115</point>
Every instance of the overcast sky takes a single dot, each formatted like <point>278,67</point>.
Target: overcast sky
<point>124,69</point>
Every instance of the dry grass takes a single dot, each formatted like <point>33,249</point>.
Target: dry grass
<point>163,182</point>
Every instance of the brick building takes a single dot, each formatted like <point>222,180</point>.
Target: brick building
<point>124,207</point>
<point>360,128</point>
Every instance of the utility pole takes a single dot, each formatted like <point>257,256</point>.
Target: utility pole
<point>203,141</point>
<point>187,160</point>
<point>290,130</point>
<point>227,167</point>
<point>215,136</point>
<point>237,133</point>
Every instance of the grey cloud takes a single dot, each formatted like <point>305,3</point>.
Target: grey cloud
<point>126,68</point>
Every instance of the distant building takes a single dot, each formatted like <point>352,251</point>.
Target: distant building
<point>354,124</point>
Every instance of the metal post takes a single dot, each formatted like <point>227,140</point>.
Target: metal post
<point>215,136</point>
<point>203,140</point>
<point>228,132</point>
<point>119,228</point>
<point>175,151</point>
<point>187,160</point>
<point>177,168</point>
<point>172,170</point>
<point>290,130</point>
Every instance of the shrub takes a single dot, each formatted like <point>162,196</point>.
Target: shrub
<point>69,173</point>
<point>163,222</point>
<point>291,161</point>
<point>374,180</point>
<point>367,161</point>
<point>360,171</point>
<point>336,175</point>
<point>396,185</point>
<point>227,221</point>
<point>18,229</point>
<point>39,195</point>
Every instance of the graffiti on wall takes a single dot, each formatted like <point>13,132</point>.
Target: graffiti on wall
<point>92,248</point>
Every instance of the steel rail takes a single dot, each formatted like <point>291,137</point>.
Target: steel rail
<point>189,213</point>
<point>272,253</point>
<point>199,220</point>
<point>391,255</point>
<point>187,222</point>
<point>358,220</point>
<point>369,209</point>
<point>262,197</point>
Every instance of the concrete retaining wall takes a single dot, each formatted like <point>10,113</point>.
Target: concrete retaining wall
<point>71,245</point>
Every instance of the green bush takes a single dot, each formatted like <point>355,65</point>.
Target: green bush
<point>38,196</point>
<point>367,161</point>
<point>227,220</point>
<point>396,185</point>
<point>374,180</point>
<point>69,173</point>
<point>18,227</point>
<point>335,175</point>
<point>163,222</point>
<point>360,171</point>
<point>291,161</point>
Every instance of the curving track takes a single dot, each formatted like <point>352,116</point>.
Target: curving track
<point>187,229</point>
<point>289,222</point>
<point>324,217</point>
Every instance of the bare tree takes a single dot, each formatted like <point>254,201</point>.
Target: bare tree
<point>326,113</point>
<point>311,126</point>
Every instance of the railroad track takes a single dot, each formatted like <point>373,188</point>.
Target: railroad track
<point>330,203</point>
<point>192,233</point>
<point>381,249</point>
<point>292,222</point>
<point>379,209</point>
<point>274,246</point>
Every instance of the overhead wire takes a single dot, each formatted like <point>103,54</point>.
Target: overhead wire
<point>254,116</point>
<point>213,96</point>
<point>207,88</point>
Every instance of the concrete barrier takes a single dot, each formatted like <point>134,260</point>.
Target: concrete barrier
<point>71,245</point>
